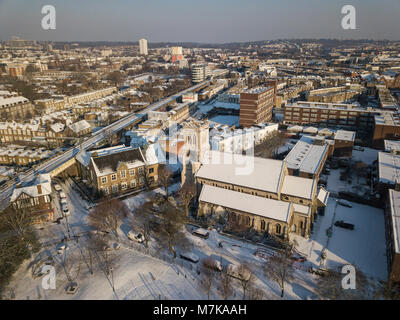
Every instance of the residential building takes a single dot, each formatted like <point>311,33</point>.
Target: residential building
<point>35,197</point>
<point>307,158</point>
<point>120,169</point>
<point>256,106</point>
<point>344,142</point>
<point>143,47</point>
<point>13,108</point>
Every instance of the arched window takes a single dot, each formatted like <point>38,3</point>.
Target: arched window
<point>262,225</point>
<point>278,229</point>
<point>248,221</point>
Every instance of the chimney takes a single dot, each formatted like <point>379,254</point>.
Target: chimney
<point>39,188</point>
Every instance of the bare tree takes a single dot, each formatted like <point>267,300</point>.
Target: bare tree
<point>18,220</point>
<point>108,216</point>
<point>165,177</point>
<point>225,285</point>
<point>279,267</point>
<point>246,277</point>
<point>142,220</point>
<point>187,193</point>
<point>207,276</point>
<point>255,293</point>
<point>170,230</point>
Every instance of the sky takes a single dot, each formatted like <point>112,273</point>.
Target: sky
<point>206,21</point>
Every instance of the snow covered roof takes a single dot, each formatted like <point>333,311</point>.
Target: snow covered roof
<point>262,174</point>
<point>306,156</point>
<point>394,197</point>
<point>154,154</point>
<point>298,187</point>
<point>301,209</point>
<point>389,168</point>
<point>4,102</point>
<point>31,188</point>
<point>79,126</point>
<point>392,145</point>
<point>264,207</point>
<point>323,196</point>
<point>345,135</point>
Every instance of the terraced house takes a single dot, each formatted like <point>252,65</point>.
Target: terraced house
<point>120,169</point>
<point>13,108</point>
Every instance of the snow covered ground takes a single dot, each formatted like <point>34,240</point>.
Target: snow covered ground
<point>367,156</point>
<point>363,247</point>
<point>226,119</point>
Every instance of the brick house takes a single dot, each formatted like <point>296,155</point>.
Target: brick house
<point>34,196</point>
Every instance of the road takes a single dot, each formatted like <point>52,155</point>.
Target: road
<point>89,142</point>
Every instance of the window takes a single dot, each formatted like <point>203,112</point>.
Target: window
<point>262,225</point>
<point>105,190</point>
<point>113,177</point>
<point>141,180</point>
<point>278,229</point>
<point>104,180</point>
<point>115,188</point>
<point>132,172</point>
<point>151,170</point>
<point>123,185</point>
<point>133,184</point>
<point>141,170</point>
<point>122,173</point>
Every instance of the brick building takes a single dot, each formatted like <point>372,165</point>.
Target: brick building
<point>256,106</point>
<point>34,196</point>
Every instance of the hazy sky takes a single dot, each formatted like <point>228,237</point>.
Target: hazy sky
<point>208,21</point>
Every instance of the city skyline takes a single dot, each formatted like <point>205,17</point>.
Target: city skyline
<point>180,21</point>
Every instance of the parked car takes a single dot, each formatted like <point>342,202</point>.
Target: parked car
<point>190,257</point>
<point>57,187</point>
<point>65,210</point>
<point>344,225</point>
<point>64,202</point>
<point>235,272</point>
<point>63,195</point>
<point>213,264</point>
<point>358,148</point>
<point>201,233</point>
<point>135,236</point>
<point>345,203</point>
